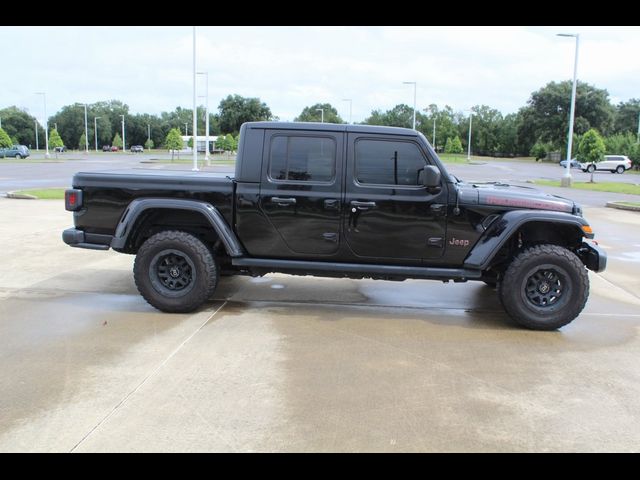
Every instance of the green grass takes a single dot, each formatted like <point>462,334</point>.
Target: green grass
<point>45,193</point>
<point>629,204</point>
<point>612,187</point>
<point>461,158</point>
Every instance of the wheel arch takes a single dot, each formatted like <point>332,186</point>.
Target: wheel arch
<point>528,227</point>
<point>144,217</point>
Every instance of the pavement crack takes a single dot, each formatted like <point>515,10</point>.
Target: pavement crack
<point>124,400</point>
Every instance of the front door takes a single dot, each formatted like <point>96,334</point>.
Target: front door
<point>301,190</point>
<point>389,215</point>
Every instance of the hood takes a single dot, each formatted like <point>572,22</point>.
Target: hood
<point>514,196</point>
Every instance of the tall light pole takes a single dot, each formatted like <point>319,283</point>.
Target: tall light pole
<point>415,87</point>
<point>638,138</point>
<point>469,145</point>
<point>195,115</point>
<point>350,105</point>
<point>434,133</point>
<point>186,131</point>
<point>206,104</point>
<point>86,131</point>
<point>95,131</point>
<point>36,122</point>
<point>124,144</point>
<point>46,123</point>
<point>321,110</point>
<point>149,134</point>
<point>566,179</point>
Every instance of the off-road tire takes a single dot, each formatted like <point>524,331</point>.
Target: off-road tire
<point>544,288</point>
<point>195,268</point>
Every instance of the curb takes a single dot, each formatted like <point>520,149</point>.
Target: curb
<point>620,206</point>
<point>21,196</point>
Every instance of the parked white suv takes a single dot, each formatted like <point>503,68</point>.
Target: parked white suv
<point>611,163</point>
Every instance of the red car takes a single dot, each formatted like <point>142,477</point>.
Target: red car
<point>114,149</point>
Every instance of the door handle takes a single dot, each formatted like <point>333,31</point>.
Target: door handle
<point>283,202</point>
<point>331,204</point>
<point>363,205</point>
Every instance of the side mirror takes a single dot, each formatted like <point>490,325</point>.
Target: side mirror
<point>432,178</point>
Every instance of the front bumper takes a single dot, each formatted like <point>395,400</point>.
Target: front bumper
<point>80,239</point>
<point>593,256</point>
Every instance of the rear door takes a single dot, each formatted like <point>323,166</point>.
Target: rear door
<point>301,190</point>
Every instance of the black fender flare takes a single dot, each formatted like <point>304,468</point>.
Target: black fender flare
<point>501,230</point>
<point>214,217</point>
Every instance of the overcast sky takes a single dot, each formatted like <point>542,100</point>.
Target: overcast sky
<point>150,68</point>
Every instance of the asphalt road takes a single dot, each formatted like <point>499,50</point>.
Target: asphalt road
<point>285,363</point>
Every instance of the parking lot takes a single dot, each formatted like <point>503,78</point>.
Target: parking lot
<point>303,364</point>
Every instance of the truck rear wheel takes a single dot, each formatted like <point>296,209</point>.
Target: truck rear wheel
<point>545,287</point>
<point>175,272</point>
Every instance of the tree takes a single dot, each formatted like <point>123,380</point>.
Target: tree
<point>82,143</point>
<point>173,141</point>
<point>311,114</point>
<point>5,139</point>
<point>117,140</point>
<point>220,142</point>
<point>229,143</point>
<point>540,150</point>
<point>546,116</point>
<point>591,149</point>
<point>627,116</point>
<point>54,139</point>
<point>190,142</point>
<point>148,144</point>
<point>399,116</point>
<point>20,126</point>
<point>453,145</point>
<point>236,110</point>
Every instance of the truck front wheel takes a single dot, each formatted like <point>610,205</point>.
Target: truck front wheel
<point>175,272</point>
<point>545,287</point>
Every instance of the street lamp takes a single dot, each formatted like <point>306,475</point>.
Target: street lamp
<point>95,130</point>
<point>186,131</point>
<point>638,138</point>
<point>469,145</point>
<point>415,87</point>
<point>434,133</point>
<point>321,110</point>
<point>195,116</point>
<point>46,123</point>
<point>350,105</point>
<point>566,180</point>
<point>37,146</point>
<point>124,144</point>
<point>206,128</point>
<point>86,131</point>
<point>148,134</point>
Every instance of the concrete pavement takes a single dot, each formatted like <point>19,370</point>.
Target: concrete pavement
<point>303,364</point>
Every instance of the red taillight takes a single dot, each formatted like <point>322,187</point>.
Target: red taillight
<point>73,199</point>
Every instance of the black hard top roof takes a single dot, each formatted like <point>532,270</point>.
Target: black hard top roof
<point>333,127</point>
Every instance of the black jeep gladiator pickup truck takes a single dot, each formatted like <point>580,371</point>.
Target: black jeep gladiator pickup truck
<point>342,201</point>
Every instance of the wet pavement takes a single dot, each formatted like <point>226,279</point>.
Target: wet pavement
<point>284,363</point>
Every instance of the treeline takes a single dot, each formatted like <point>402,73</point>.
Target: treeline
<point>538,128</point>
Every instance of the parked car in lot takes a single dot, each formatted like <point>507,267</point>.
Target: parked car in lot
<point>115,149</point>
<point>611,163</point>
<point>106,148</point>
<point>60,149</point>
<point>17,151</point>
<point>574,163</point>
<point>137,149</point>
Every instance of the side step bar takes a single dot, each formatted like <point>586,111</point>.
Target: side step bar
<point>284,266</point>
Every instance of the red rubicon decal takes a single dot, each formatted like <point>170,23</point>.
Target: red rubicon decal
<point>526,203</point>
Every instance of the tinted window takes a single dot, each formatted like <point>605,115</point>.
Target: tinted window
<point>389,163</point>
<point>306,159</point>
